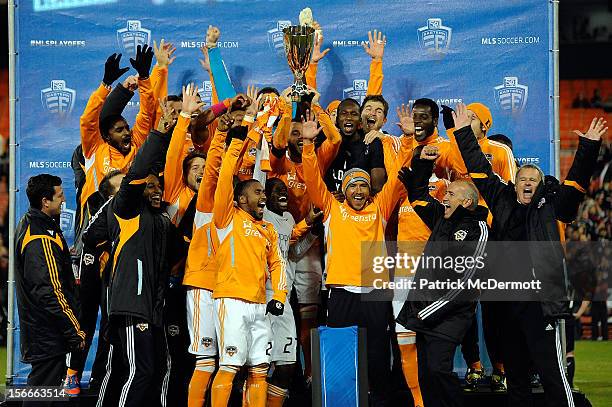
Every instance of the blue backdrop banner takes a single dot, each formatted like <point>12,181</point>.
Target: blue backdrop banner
<point>492,51</point>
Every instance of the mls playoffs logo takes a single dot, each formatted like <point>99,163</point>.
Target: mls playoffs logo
<point>58,98</point>
<point>511,96</point>
<point>206,93</point>
<point>358,91</point>
<point>132,36</point>
<point>67,217</point>
<point>275,37</point>
<point>435,37</point>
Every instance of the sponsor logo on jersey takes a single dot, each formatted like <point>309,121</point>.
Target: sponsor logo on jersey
<point>57,98</point>
<point>275,37</point>
<point>133,35</point>
<point>67,217</point>
<point>358,91</point>
<point>435,37</point>
<point>511,96</point>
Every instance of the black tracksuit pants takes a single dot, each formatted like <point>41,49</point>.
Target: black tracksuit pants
<point>145,361</point>
<point>363,310</point>
<point>48,372</point>
<point>469,345</point>
<point>440,386</point>
<point>90,295</point>
<point>528,340</point>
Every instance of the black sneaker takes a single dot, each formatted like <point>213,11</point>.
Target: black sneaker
<point>498,382</point>
<point>473,377</point>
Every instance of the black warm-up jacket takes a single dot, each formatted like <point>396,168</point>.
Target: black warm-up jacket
<point>552,202</point>
<point>446,313</point>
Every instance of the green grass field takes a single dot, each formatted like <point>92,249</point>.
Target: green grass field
<point>593,371</point>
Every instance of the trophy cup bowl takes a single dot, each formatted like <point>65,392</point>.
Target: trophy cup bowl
<point>299,41</point>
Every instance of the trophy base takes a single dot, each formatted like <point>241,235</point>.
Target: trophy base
<point>297,91</point>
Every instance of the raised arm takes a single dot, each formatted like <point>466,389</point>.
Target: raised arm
<point>224,194</point>
<point>317,55</point>
<point>173,170</point>
<point>320,196</point>
<point>148,105</point>
<point>571,191</point>
<point>213,63</point>
<point>127,204</point>
<point>489,184</point>
<point>206,193</point>
<point>164,56</point>
<point>375,48</point>
<point>90,119</point>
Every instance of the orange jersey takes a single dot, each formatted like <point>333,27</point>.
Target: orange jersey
<point>410,226</point>
<point>350,232</point>
<point>101,157</point>
<point>292,174</point>
<point>176,192</point>
<point>245,245</point>
<point>200,267</point>
<point>159,81</point>
<point>499,155</point>
<point>391,147</point>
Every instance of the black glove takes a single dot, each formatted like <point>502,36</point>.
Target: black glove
<point>447,117</point>
<point>275,308</point>
<point>112,72</point>
<point>142,63</point>
<point>405,175</point>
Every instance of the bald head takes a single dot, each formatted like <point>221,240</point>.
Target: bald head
<point>460,193</point>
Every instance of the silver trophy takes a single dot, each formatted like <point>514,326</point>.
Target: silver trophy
<point>299,40</point>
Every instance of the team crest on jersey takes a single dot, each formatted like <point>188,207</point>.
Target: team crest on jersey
<point>143,326</point>
<point>231,350</point>
<point>253,151</point>
<point>460,235</point>
<point>173,330</point>
<point>88,259</point>
<point>67,217</point>
<point>435,37</point>
<point>358,91</point>
<point>132,36</point>
<point>206,93</point>
<point>57,98</point>
<point>207,342</point>
<point>511,96</point>
<point>275,37</point>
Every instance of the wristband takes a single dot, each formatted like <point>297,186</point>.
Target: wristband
<point>185,115</point>
<point>218,109</point>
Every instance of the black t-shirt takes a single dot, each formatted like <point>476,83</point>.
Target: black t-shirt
<point>354,154</point>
